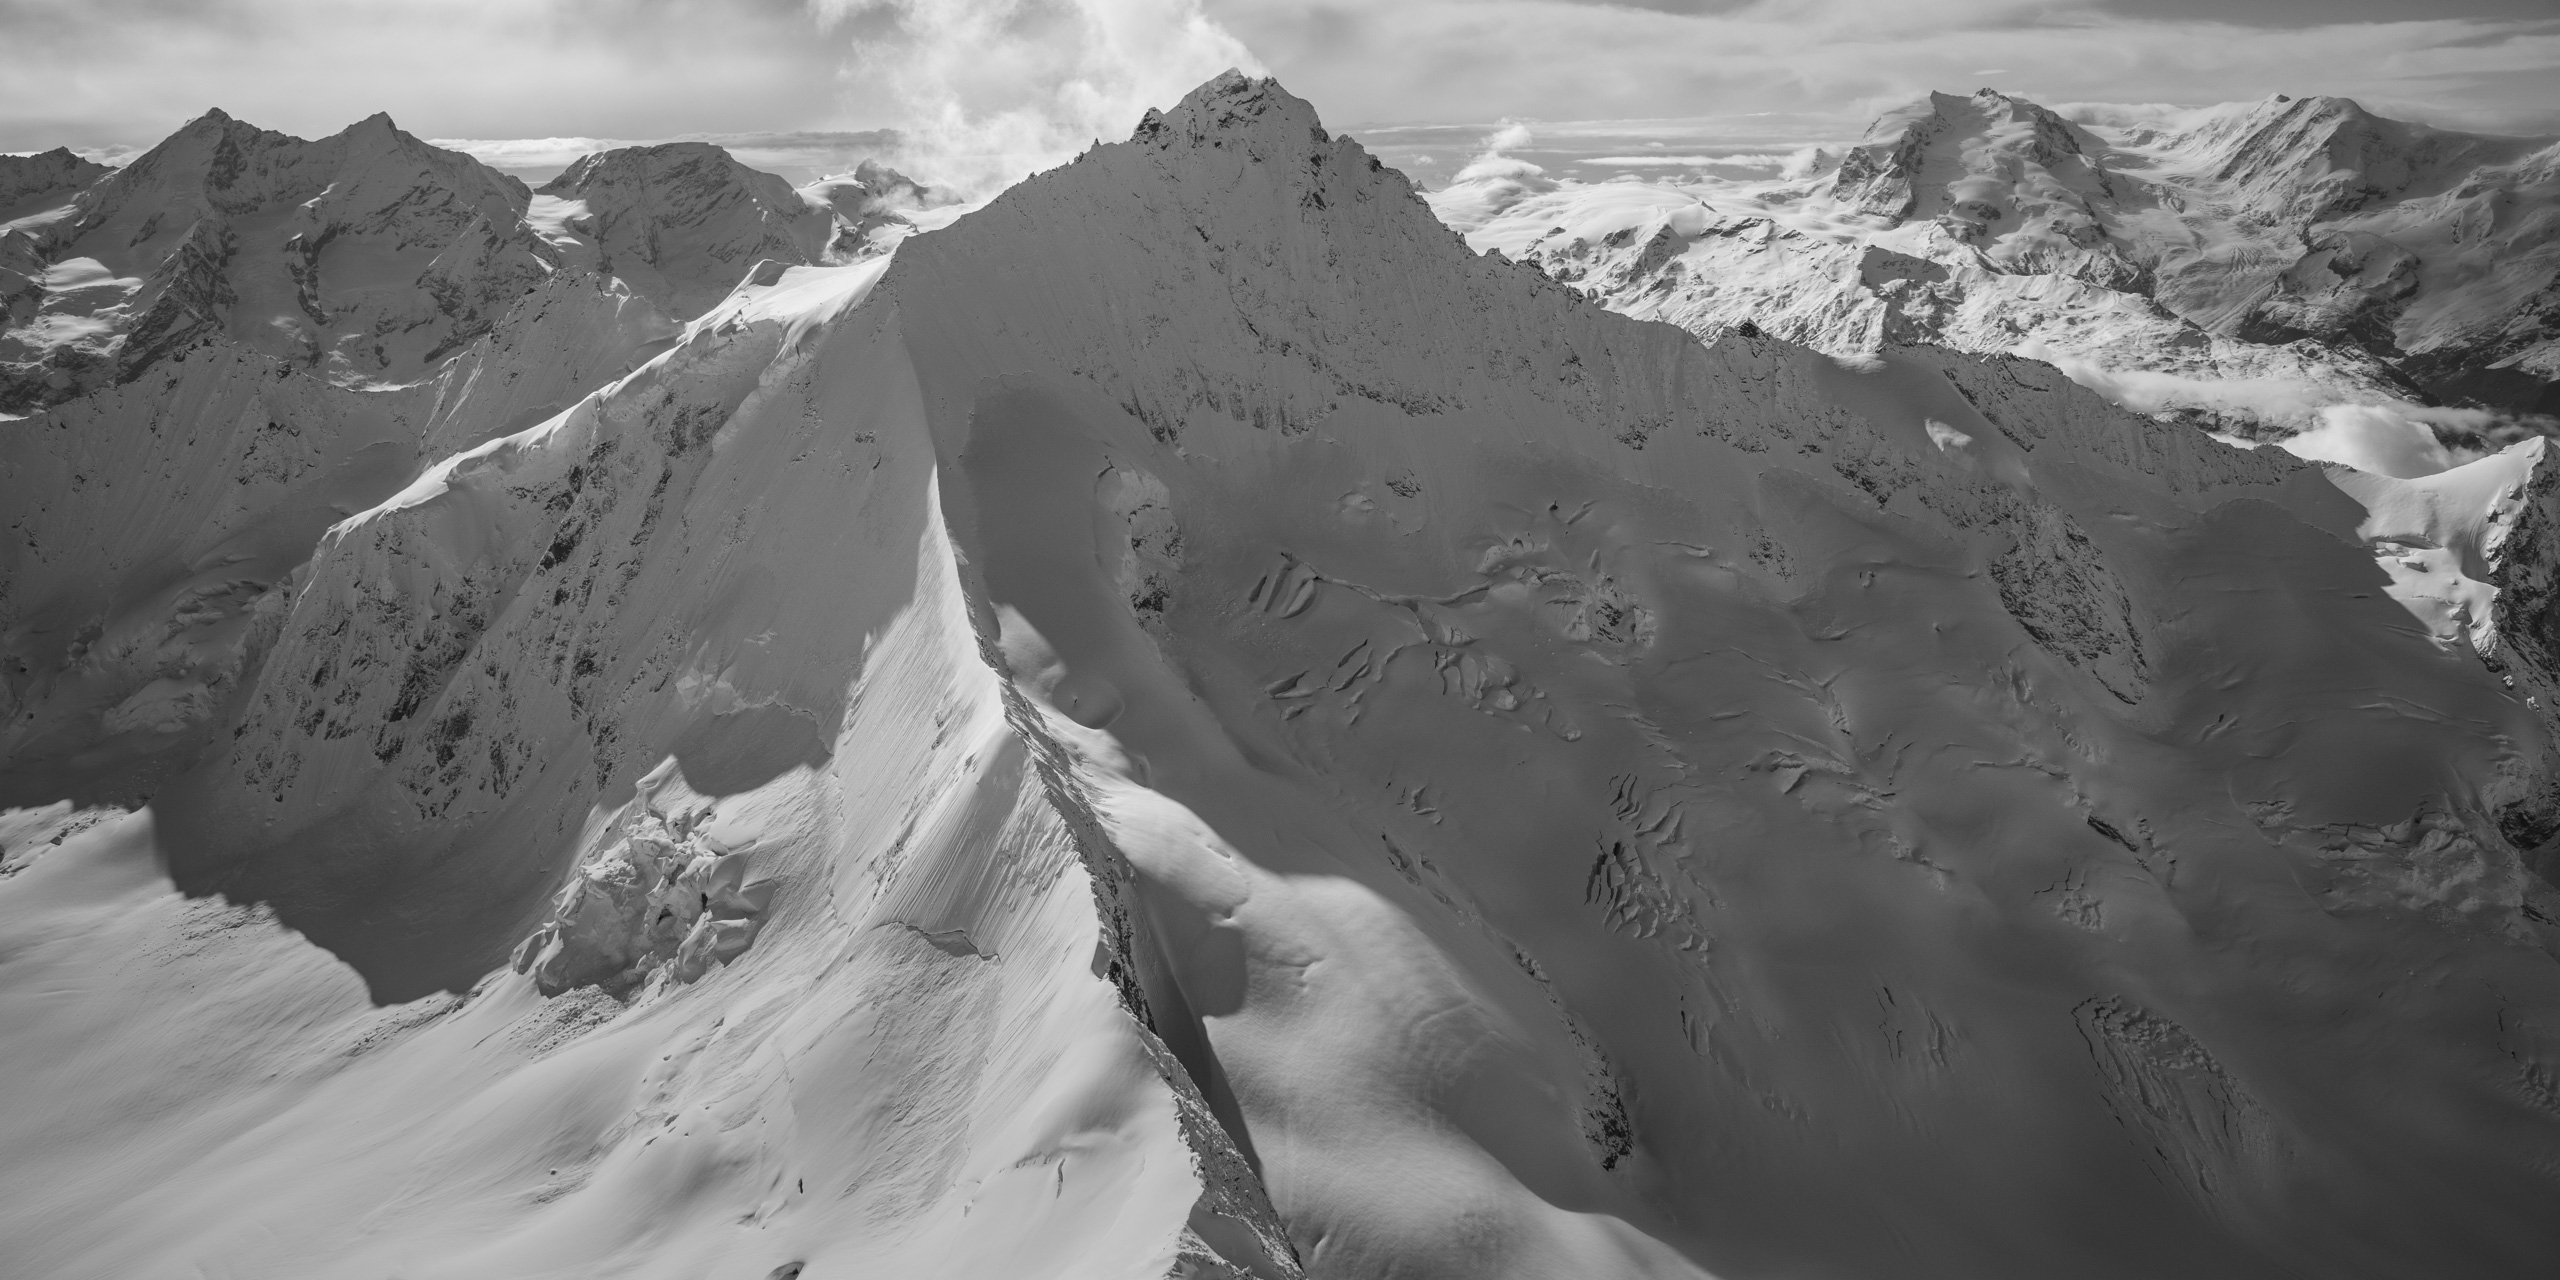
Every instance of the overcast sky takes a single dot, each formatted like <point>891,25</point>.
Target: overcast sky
<point>1011,83</point>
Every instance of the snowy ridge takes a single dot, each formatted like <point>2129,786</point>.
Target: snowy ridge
<point>2245,266</point>
<point>1188,724</point>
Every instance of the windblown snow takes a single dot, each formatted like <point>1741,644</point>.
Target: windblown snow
<point>1189,723</point>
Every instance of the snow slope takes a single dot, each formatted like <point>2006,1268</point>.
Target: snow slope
<point>1188,724</point>
<point>2246,265</point>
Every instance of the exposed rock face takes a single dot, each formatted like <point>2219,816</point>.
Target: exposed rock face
<point>1188,724</point>
<point>683,221</point>
<point>367,256</point>
<point>33,184</point>
<point>229,345</point>
<point>155,526</point>
<point>2297,242</point>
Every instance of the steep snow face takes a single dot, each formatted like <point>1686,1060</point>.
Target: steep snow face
<point>889,1033</point>
<point>2244,267</point>
<point>1188,724</point>
<point>367,255</point>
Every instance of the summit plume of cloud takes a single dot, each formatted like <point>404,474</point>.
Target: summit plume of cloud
<point>986,91</point>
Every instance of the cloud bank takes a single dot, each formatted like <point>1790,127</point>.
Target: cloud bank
<point>1561,60</point>
<point>802,156</point>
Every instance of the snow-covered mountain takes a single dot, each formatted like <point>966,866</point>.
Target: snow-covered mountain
<point>32,183</point>
<point>2248,265</point>
<point>243,337</point>
<point>1189,724</point>
<point>681,221</point>
<point>368,254</point>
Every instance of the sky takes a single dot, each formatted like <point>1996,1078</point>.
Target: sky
<point>980,91</point>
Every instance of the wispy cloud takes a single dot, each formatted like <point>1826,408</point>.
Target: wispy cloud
<point>1548,60</point>
<point>1739,160</point>
<point>985,91</point>
<point>102,72</point>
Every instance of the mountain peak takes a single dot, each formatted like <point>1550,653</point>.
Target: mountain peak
<point>693,163</point>
<point>28,182</point>
<point>1232,105</point>
<point>215,123</point>
<point>1918,149</point>
<point>378,136</point>
<point>679,221</point>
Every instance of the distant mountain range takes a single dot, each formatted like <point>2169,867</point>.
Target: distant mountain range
<point>369,257</point>
<point>2243,265</point>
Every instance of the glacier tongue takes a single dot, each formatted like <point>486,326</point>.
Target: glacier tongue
<point>1212,730</point>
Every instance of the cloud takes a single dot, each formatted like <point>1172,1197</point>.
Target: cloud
<point>2285,403</point>
<point>987,91</point>
<point>1739,159</point>
<point>1803,162</point>
<point>2376,438</point>
<point>2326,423</point>
<point>528,155</point>
<point>129,72</point>
<point>992,88</point>
<point>1492,181</point>
<point>1552,60</point>
<point>1512,136</point>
